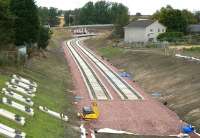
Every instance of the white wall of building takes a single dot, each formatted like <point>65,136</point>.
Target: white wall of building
<point>153,30</point>
<point>134,35</point>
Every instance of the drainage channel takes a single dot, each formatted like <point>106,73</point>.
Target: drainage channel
<point>97,90</point>
<point>124,90</point>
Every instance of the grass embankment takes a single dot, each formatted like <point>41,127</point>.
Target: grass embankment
<point>54,80</point>
<point>105,48</point>
<point>110,52</point>
<point>193,51</point>
<point>177,80</point>
<point>188,50</point>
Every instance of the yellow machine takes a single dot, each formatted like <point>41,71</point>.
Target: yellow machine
<point>90,113</point>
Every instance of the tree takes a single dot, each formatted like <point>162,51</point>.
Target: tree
<point>76,15</point>
<point>197,16</point>
<point>6,24</point>
<point>87,14</point>
<point>190,17</point>
<point>60,12</point>
<point>120,18</point>
<point>67,16</point>
<point>53,19</point>
<point>138,14</point>
<point>102,12</point>
<point>172,18</point>
<point>26,21</point>
<point>44,36</point>
<point>72,16</point>
<point>49,16</point>
<point>43,13</point>
<point>95,13</point>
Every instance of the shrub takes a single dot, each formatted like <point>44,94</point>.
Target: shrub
<point>170,36</point>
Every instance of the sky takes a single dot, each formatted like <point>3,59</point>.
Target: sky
<point>146,7</point>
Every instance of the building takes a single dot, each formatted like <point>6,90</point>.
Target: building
<point>143,31</point>
<point>194,28</point>
<point>62,21</point>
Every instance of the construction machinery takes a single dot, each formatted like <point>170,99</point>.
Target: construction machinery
<point>90,112</point>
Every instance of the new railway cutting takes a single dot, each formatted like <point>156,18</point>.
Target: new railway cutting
<point>123,89</point>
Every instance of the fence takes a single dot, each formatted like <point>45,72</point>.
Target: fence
<point>145,45</point>
<point>11,58</point>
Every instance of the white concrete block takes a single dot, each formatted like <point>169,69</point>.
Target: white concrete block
<point>18,97</point>
<point>55,114</point>
<point>18,106</point>
<point>19,78</point>
<point>23,85</point>
<point>19,89</point>
<point>10,132</point>
<point>11,116</point>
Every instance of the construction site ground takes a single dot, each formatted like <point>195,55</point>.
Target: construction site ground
<point>146,117</point>
<point>175,80</point>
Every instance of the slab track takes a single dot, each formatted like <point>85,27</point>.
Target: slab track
<point>123,89</point>
<point>96,88</point>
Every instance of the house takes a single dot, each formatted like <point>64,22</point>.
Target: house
<point>143,31</point>
<point>194,28</point>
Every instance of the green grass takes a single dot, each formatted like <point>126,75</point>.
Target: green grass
<point>110,52</point>
<point>104,48</point>
<point>193,49</point>
<point>54,80</point>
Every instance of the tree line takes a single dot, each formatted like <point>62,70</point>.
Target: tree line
<point>176,21</point>
<point>49,16</point>
<point>21,24</point>
<point>101,12</point>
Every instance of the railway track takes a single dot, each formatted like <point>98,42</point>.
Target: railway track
<point>96,88</point>
<point>124,90</point>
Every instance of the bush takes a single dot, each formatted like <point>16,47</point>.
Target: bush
<point>170,36</point>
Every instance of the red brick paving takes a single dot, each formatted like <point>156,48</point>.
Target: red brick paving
<point>146,117</point>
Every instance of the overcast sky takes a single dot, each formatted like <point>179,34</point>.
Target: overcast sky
<point>143,6</point>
